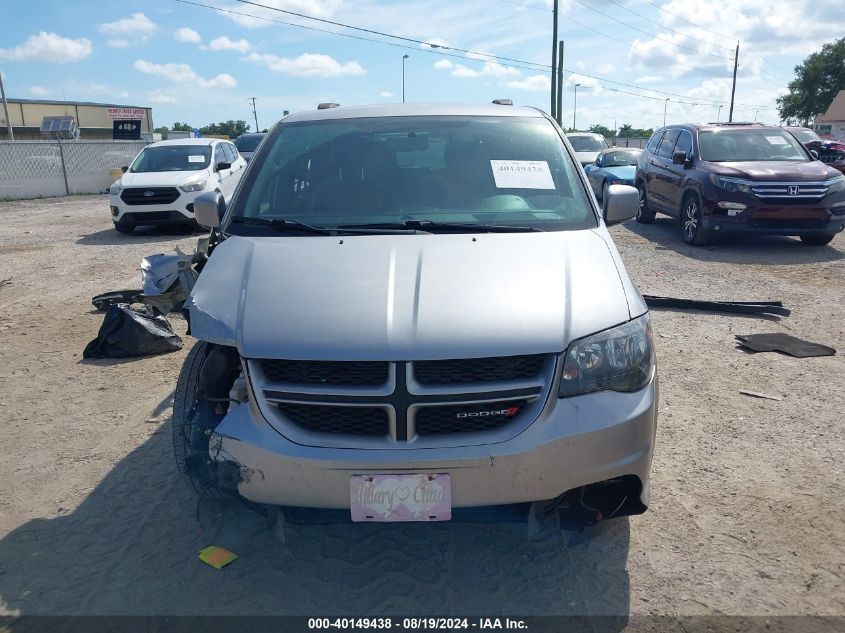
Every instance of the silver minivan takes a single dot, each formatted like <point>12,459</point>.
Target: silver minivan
<point>415,309</point>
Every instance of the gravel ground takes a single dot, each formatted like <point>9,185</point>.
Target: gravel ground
<point>748,515</point>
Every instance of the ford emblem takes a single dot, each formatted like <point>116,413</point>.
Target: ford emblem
<point>149,194</point>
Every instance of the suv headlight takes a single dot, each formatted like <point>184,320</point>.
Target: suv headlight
<point>115,189</point>
<point>618,359</point>
<point>194,186</point>
<point>732,185</point>
<point>836,185</point>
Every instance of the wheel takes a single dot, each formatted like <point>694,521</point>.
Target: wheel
<point>817,239</point>
<point>692,222</point>
<point>644,214</point>
<point>126,229</point>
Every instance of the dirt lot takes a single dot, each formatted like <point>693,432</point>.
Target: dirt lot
<point>748,513</point>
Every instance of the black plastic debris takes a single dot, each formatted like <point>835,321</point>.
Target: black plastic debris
<point>103,301</point>
<point>784,343</point>
<point>736,307</point>
<point>126,333</point>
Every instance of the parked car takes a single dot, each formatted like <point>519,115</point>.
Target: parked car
<point>830,152</point>
<point>160,185</point>
<point>751,178</point>
<point>614,166</point>
<point>586,145</point>
<point>248,143</point>
<point>416,308</point>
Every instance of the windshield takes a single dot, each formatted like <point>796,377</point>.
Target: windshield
<point>805,136</point>
<point>587,143</point>
<point>248,142</point>
<point>507,171</point>
<point>621,158</point>
<point>172,158</point>
<point>764,144</point>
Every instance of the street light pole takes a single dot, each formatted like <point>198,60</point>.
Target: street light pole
<point>404,57</point>
<point>719,114</point>
<point>6,110</point>
<point>574,106</point>
<point>254,113</point>
<point>665,103</point>
<point>756,112</point>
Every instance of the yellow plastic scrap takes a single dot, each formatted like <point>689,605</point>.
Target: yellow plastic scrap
<point>217,557</point>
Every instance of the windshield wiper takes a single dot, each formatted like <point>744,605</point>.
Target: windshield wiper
<point>432,226</point>
<point>284,225</point>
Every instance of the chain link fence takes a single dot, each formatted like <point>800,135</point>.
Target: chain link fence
<point>41,169</point>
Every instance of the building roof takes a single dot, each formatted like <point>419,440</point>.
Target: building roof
<point>412,109</point>
<point>74,103</point>
<point>835,111</point>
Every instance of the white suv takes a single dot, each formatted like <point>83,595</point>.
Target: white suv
<point>160,185</point>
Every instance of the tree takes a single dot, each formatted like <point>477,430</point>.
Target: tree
<point>181,127</point>
<point>232,129</point>
<point>601,129</point>
<point>817,81</point>
<point>163,130</point>
<point>626,130</point>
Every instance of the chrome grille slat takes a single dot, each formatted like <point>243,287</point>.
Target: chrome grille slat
<point>790,192</point>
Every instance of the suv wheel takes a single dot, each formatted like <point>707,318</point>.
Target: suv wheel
<point>817,239</point>
<point>644,214</point>
<point>692,221</point>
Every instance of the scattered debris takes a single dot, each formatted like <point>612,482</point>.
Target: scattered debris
<point>103,301</point>
<point>5,281</point>
<point>784,343</point>
<point>757,394</point>
<point>217,557</point>
<point>740,307</point>
<point>126,333</point>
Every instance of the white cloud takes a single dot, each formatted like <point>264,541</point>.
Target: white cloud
<point>223,43</point>
<point>308,65</point>
<point>162,96</point>
<point>443,64</point>
<point>39,91</point>
<point>189,36</point>
<point>586,84</point>
<point>648,79</point>
<point>127,31</point>
<point>48,47</point>
<point>606,68</point>
<point>535,83</point>
<point>184,74</point>
<point>385,94</point>
<point>462,71</point>
<point>490,69</point>
<point>316,8</point>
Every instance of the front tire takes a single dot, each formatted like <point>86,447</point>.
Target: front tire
<point>644,214</point>
<point>822,239</point>
<point>692,221</point>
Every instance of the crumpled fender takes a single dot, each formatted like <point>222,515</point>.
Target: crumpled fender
<point>215,305</point>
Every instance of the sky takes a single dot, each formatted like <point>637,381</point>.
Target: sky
<point>201,64</point>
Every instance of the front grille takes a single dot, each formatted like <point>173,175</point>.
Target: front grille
<point>337,373</point>
<point>341,420</point>
<point>149,195</point>
<point>486,416</point>
<point>478,370</point>
<point>790,192</point>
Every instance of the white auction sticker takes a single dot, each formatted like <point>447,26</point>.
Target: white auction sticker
<point>196,159</point>
<point>522,174</point>
<point>777,140</point>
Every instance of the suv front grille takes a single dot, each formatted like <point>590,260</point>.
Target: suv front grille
<point>149,195</point>
<point>467,418</point>
<point>478,370</point>
<point>317,372</point>
<point>341,420</point>
<point>790,192</point>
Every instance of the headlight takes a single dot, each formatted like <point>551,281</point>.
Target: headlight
<point>115,189</point>
<point>836,185</point>
<point>733,185</point>
<point>619,359</point>
<point>194,186</point>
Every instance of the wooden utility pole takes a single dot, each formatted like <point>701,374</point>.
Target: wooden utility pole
<point>554,113</point>
<point>733,88</point>
<point>560,83</point>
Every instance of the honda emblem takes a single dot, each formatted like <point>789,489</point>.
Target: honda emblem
<point>792,190</point>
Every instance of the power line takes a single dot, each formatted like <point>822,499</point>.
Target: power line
<point>526,6</point>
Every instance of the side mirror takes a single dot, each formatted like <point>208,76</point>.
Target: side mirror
<point>209,208</point>
<point>223,165</point>
<point>621,204</point>
<point>679,158</point>
<point>124,169</point>
<point>814,154</point>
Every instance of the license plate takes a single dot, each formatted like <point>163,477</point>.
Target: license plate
<point>389,498</point>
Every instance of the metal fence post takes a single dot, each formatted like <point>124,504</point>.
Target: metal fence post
<point>64,168</point>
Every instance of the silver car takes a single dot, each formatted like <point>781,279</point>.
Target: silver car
<point>412,310</point>
<point>587,146</point>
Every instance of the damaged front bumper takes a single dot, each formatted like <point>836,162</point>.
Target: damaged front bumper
<point>575,442</point>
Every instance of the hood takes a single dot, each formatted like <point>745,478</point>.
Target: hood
<point>407,297</point>
<point>586,157</point>
<point>625,172</point>
<point>162,178</point>
<point>796,171</point>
